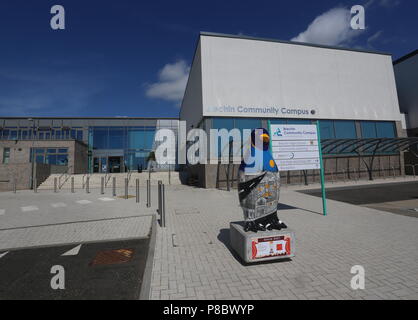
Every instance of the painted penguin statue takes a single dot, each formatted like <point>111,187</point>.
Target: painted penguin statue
<point>259,185</point>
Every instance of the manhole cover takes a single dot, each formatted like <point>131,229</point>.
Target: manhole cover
<point>123,197</point>
<point>186,211</point>
<point>113,257</point>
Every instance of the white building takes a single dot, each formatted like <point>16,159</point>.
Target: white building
<point>243,82</point>
<point>406,72</point>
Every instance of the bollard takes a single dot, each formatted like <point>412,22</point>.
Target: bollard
<point>14,185</point>
<point>55,185</point>
<point>163,205</point>
<point>72,184</point>
<point>102,185</point>
<point>137,190</point>
<point>126,188</point>
<point>114,186</point>
<point>35,185</point>
<point>148,193</point>
<point>160,202</point>
<point>88,185</point>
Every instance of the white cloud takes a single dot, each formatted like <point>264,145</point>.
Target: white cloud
<point>383,3</point>
<point>374,37</point>
<point>172,82</point>
<point>389,3</point>
<point>330,28</point>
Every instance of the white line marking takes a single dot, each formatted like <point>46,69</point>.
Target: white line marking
<point>29,208</point>
<point>83,201</point>
<point>2,212</point>
<point>73,251</point>
<point>106,199</point>
<point>58,205</point>
<point>3,254</point>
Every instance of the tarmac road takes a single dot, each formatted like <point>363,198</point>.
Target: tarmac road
<point>398,198</point>
<point>92,271</point>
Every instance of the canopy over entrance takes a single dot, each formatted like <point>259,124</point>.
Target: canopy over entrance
<point>368,148</point>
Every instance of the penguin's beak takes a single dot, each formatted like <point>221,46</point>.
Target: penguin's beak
<point>265,137</point>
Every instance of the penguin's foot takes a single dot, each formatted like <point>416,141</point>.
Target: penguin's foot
<point>278,224</point>
<point>254,226</point>
<point>284,226</point>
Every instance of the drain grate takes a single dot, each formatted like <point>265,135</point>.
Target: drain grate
<point>113,257</point>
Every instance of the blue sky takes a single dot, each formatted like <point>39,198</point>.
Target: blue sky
<point>131,58</point>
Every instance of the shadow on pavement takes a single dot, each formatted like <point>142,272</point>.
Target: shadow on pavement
<point>283,206</point>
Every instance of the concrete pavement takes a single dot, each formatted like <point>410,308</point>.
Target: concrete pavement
<point>48,218</point>
<point>193,258</point>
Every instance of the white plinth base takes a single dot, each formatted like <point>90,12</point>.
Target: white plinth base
<point>262,246</point>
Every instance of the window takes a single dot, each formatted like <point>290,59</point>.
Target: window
<point>345,130</point>
<point>6,155</point>
<point>5,134</point>
<point>238,123</point>
<point>298,121</point>
<point>368,130</point>
<point>385,129</point>
<point>53,156</point>
<point>100,138</point>
<point>326,128</point>
<point>80,135</point>
<point>116,138</point>
<point>62,159</point>
<point>278,121</point>
<point>223,123</point>
<point>51,159</point>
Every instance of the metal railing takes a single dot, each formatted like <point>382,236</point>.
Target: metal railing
<point>64,175</point>
<point>107,178</point>
<point>128,175</point>
<point>84,182</point>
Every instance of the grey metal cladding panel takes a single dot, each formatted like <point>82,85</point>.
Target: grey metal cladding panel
<point>11,122</point>
<point>44,123</point>
<point>142,122</point>
<point>57,122</point>
<point>67,122</point>
<point>120,122</point>
<point>79,123</point>
<point>25,123</point>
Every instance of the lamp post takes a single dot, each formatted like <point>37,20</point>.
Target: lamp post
<point>32,153</point>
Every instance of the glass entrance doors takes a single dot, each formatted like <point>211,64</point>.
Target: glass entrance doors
<point>115,164</point>
<point>111,164</point>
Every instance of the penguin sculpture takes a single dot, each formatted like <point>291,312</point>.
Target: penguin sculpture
<point>259,185</point>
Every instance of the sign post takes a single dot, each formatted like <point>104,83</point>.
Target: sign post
<point>324,197</point>
<point>298,147</point>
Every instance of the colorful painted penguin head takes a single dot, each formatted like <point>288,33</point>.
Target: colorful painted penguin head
<point>260,135</point>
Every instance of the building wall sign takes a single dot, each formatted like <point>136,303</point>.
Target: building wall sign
<point>262,111</point>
